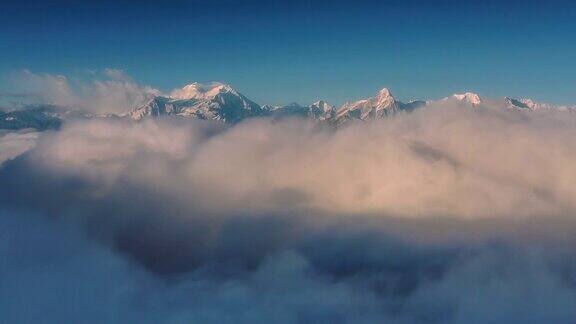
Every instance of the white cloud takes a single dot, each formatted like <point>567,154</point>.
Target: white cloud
<point>442,215</point>
<point>16,143</point>
<point>112,91</point>
<point>435,162</point>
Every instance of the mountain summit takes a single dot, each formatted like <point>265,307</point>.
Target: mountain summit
<point>382,105</point>
<point>214,101</point>
<point>202,91</point>
<point>467,97</point>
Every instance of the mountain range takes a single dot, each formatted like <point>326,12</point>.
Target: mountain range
<point>220,102</point>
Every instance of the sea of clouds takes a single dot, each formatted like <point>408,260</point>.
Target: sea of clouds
<point>443,215</point>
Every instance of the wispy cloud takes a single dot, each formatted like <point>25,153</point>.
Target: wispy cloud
<point>109,91</point>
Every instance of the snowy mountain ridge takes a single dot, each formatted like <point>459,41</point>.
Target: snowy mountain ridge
<point>221,102</point>
<point>215,101</point>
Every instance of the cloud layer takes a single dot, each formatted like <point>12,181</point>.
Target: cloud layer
<point>446,215</point>
<point>437,162</point>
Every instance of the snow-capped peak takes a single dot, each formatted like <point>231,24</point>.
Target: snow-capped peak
<point>202,91</point>
<point>214,101</point>
<point>384,93</point>
<point>512,103</point>
<point>383,104</point>
<point>534,105</point>
<point>384,99</point>
<point>469,97</point>
<point>322,105</point>
<point>529,102</point>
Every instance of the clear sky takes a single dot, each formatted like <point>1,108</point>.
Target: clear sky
<point>277,52</point>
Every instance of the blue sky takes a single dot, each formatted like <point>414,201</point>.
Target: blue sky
<point>277,52</point>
